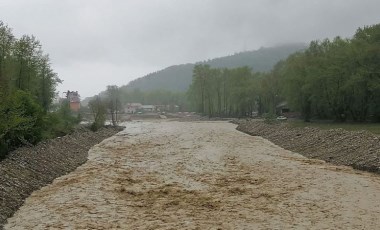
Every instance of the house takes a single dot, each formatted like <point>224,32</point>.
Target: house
<point>74,100</point>
<point>148,108</point>
<point>162,108</point>
<point>132,108</point>
<point>167,108</point>
<point>282,108</point>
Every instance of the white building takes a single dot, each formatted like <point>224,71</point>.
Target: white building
<point>132,108</point>
<point>148,108</point>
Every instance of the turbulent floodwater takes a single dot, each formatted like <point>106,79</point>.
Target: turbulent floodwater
<point>201,175</point>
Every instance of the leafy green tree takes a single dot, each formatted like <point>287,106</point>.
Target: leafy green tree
<point>113,102</point>
<point>27,89</point>
<point>99,111</point>
<point>336,79</point>
<point>366,78</point>
<point>6,43</point>
<point>60,122</point>
<point>223,92</point>
<point>21,121</point>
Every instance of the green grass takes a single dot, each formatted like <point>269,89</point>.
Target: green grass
<point>371,127</point>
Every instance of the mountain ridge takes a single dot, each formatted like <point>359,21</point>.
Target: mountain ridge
<point>179,77</point>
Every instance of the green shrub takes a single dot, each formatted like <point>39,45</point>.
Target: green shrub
<point>21,121</point>
<point>99,111</point>
<point>61,122</point>
<point>269,118</point>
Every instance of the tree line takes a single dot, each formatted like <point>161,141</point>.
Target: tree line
<point>114,99</point>
<point>154,97</point>
<point>223,92</point>
<point>27,90</point>
<point>335,79</point>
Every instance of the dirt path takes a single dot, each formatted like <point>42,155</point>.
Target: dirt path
<point>206,175</point>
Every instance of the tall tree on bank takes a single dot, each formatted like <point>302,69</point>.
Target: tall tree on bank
<point>27,89</point>
<point>113,102</point>
<point>223,92</point>
<point>24,66</point>
<point>336,79</point>
<point>99,111</point>
<point>6,45</point>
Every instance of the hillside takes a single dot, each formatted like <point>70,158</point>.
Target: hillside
<point>179,77</point>
<point>173,78</point>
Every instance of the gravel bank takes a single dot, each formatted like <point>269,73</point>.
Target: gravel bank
<point>361,150</point>
<point>28,169</point>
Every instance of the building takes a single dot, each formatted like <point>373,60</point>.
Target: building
<point>148,108</point>
<point>167,108</point>
<point>74,100</point>
<point>132,108</point>
<point>162,108</point>
<point>282,108</point>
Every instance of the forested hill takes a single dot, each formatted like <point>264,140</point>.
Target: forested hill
<point>173,78</point>
<point>179,77</point>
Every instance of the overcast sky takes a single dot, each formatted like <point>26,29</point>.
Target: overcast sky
<point>94,43</point>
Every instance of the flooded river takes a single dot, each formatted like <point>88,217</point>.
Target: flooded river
<point>201,175</point>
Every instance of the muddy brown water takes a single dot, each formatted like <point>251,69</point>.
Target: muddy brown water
<point>201,175</point>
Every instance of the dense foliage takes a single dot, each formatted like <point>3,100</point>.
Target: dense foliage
<point>27,90</point>
<point>332,79</point>
<point>337,79</point>
<point>224,92</point>
<point>154,97</point>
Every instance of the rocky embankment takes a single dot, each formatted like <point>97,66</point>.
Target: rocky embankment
<point>359,149</point>
<point>30,168</point>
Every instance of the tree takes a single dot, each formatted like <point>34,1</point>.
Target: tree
<point>99,111</point>
<point>198,87</point>
<point>113,102</point>
<point>21,121</point>
<point>366,80</point>
<point>223,92</point>
<point>336,79</point>
<point>6,44</point>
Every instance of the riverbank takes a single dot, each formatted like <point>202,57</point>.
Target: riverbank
<point>359,149</point>
<point>29,168</point>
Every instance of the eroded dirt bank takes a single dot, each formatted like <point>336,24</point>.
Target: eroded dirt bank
<point>30,168</point>
<point>205,175</point>
<point>359,149</point>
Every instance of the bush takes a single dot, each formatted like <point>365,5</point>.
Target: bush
<point>21,121</point>
<point>99,111</point>
<point>269,118</point>
<point>61,122</point>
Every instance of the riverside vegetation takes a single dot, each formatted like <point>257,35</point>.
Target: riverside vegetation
<point>27,90</point>
<point>335,79</point>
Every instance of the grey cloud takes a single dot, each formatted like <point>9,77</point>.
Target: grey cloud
<point>101,42</point>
